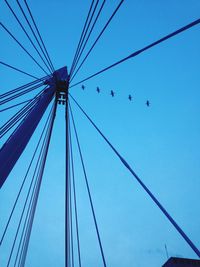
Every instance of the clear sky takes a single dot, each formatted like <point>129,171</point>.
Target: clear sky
<point>161,142</point>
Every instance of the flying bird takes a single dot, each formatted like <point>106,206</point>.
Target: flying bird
<point>130,97</point>
<point>148,103</point>
<point>112,93</point>
<point>98,90</point>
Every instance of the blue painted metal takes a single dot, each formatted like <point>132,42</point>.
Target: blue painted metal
<point>59,80</point>
<point>16,143</point>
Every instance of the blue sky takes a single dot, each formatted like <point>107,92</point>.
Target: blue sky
<point>161,143</point>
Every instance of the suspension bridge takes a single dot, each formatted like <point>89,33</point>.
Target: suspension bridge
<point>35,109</point>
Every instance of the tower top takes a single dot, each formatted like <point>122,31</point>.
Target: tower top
<point>60,80</point>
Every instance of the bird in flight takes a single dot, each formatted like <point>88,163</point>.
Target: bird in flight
<point>148,103</point>
<point>112,93</point>
<point>130,97</point>
<point>98,90</point>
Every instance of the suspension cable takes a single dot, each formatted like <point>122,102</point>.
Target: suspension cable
<point>88,188</point>
<point>25,226</point>
<point>19,115</point>
<point>28,214</point>
<point>22,110</point>
<point>36,193</point>
<point>32,184</point>
<point>24,180</point>
<point>39,34</point>
<point>16,105</point>
<point>15,118</point>
<point>86,31</point>
<point>71,214</point>
<point>74,196</point>
<point>8,99</point>
<point>23,48</point>
<point>81,37</point>
<point>10,124</point>
<point>27,35</point>
<point>10,92</point>
<point>40,175</point>
<point>155,200</point>
<point>97,39</point>
<point>90,32</point>
<point>134,54</point>
<point>16,69</point>
<point>34,34</point>
<point>32,180</point>
<point>67,188</point>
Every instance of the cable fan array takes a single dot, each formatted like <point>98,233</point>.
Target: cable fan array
<point>39,100</point>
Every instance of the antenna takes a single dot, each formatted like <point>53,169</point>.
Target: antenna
<point>167,254</point>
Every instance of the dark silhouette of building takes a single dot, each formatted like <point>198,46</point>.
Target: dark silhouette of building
<point>181,262</point>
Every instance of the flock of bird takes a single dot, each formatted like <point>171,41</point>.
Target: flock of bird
<point>112,93</point>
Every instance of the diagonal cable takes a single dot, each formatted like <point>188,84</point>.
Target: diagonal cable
<point>89,34</point>
<point>24,180</point>
<point>25,86</point>
<point>88,189</point>
<point>134,54</point>
<point>28,213</point>
<point>27,35</point>
<point>85,34</point>
<point>19,115</point>
<point>44,49</point>
<point>37,190</point>
<point>23,48</point>
<point>81,37</point>
<point>155,200</point>
<point>41,155</point>
<point>8,99</point>
<point>16,105</point>
<point>18,70</point>
<point>97,39</point>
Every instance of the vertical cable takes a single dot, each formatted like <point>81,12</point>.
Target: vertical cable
<point>41,172</point>
<point>88,189</point>
<point>155,200</point>
<point>71,215</point>
<point>67,219</point>
<point>74,197</point>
